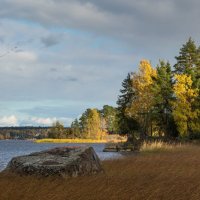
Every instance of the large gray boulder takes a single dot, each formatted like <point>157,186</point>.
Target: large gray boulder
<point>64,161</point>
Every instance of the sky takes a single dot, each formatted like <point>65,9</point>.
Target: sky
<point>60,57</point>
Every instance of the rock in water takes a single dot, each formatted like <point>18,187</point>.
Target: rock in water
<point>64,161</point>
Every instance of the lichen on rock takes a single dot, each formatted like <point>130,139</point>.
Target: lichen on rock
<point>64,162</point>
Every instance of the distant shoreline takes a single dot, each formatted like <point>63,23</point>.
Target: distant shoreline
<point>49,140</point>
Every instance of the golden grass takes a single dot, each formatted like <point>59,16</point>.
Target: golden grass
<point>49,140</point>
<point>158,146</point>
<point>167,175</point>
<point>110,138</point>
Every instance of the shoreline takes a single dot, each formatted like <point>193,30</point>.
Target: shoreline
<point>84,141</point>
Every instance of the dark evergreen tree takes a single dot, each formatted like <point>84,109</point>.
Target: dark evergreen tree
<point>75,127</point>
<point>83,123</point>
<point>188,59</point>
<point>163,95</point>
<point>188,62</point>
<point>127,125</point>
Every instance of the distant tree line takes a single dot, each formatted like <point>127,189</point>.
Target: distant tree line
<point>28,132</point>
<point>23,132</point>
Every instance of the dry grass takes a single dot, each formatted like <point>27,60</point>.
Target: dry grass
<point>49,140</point>
<point>109,138</point>
<point>171,175</point>
<point>158,146</point>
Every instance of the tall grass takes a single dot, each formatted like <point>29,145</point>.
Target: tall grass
<point>156,146</point>
<point>49,140</point>
<point>110,138</point>
<point>172,175</point>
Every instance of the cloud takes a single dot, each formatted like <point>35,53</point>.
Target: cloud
<point>128,20</point>
<point>8,121</point>
<point>68,71</point>
<point>38,121</point>
<point>51,40</point>
<point>23,56</point>
<point>156,34</point>
<point>43,121</point>
<point>94,44</point>
<point>13,120</point>
<point>58,109</point>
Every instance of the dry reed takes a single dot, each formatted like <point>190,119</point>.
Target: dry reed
<point>158,146</point>
<point>170,175</point>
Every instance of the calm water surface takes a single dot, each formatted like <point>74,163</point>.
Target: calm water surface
<point>12,148</point>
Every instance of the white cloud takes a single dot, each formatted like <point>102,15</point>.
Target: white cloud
<point>25,56</point>
<point>43,121</point>
<point>38,121</point>
<point>81,50</point>
<point>8,121</point>
<point>13,120</point>
<point>59,71</point>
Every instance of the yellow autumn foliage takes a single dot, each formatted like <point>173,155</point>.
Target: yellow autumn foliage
<point>182,108</point>
<point>141,83</point>
<point>94,130</point>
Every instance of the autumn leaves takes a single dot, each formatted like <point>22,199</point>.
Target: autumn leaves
<point>166,102</point>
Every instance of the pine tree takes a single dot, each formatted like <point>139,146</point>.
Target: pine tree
<point>188,62</point>
<point>163,95</point>
<point>83,124</point>
<point>75,126</point>
<point>127,125</point>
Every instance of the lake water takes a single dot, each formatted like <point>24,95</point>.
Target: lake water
<point>12,148</point>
